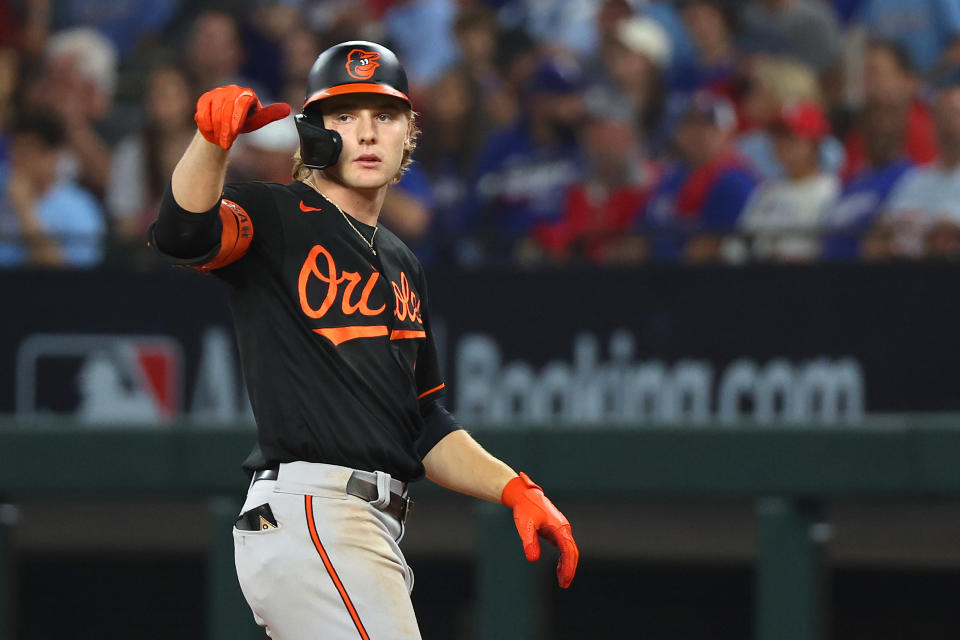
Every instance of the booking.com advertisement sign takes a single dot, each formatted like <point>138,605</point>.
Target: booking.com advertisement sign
<point>824,345</point>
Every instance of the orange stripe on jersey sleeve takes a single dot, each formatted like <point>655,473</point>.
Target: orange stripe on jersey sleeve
<point>407,334</point>
<point>235,238</point>
<point>426,393</point>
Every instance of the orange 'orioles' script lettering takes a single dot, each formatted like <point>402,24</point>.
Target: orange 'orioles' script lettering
<point>312,268</point>
<point>407,302</point>
<point>321,265</point>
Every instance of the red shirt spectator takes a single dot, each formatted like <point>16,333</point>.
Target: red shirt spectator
<point>593,218</point>
<point>889,78</point>
<point>604,208</point>
<point>920,142</point>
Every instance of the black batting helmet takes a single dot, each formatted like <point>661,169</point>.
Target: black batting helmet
<point>357,66</point>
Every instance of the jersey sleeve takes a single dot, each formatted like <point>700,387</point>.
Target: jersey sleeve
<point>431,388</point>
<point>244,219</point>
<point>430,384</point>
<point>236,234</point>
<point>250,223</point>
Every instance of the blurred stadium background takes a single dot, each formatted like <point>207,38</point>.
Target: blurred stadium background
<point>693,263</point>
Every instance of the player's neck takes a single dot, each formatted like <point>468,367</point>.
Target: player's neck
<point>362,204</point>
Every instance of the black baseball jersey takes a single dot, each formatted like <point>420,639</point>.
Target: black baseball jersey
<point>334,337</point>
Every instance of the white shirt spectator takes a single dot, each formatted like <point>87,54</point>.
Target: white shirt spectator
<point>782,216</point>
<point>925,196</point>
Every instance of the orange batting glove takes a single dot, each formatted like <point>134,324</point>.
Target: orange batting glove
<point>533,513</point>
<point>226,112</point>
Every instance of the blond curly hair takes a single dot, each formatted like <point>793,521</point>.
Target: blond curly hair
<point>302,171</point>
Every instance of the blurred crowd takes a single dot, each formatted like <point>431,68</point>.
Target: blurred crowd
<point>584,131</point>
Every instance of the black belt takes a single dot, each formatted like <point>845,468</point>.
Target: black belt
<point>399,506</point>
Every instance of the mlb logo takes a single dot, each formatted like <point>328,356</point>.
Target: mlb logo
<point>99,379</point>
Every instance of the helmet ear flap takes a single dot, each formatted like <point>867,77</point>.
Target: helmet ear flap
<point>319,147</point>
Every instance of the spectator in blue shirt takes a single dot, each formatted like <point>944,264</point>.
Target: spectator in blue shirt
<point>700,198</point>
<point>523,172</point>
<point>45,220</point>
<point>864,198</point>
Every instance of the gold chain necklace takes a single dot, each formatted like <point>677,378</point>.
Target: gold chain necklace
<point>369,242</point>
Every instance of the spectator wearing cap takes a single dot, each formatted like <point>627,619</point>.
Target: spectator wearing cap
<point>523,172</point>
<point>700,197</point>
<point>781,218</point>
<point>884,124</point>
<point>633,67</point>
<point>922,215</point>
<point>45,219</point>
<point>889,80</point>
<point>612,12</point>
<point>771,84</point>
<point>602,209</point>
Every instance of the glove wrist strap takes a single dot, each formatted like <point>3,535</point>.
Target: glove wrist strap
<point>515,488</point>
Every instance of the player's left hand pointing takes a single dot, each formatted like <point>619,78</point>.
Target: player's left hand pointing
<point>533,513</point>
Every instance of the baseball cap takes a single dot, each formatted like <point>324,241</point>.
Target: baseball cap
<point>704,105</point>
<point>646,37</point>
<point>802,119</point>
<point>557,75</point>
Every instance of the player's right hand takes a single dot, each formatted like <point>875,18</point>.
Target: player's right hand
<point>533,513</point>
<point>226,112</point>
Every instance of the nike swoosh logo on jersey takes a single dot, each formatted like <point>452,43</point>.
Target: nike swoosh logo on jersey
<point>306,209</point>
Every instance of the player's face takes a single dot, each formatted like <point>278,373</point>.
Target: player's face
<point>375,130</point>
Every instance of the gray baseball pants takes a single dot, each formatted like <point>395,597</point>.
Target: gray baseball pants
<point>332,569</point>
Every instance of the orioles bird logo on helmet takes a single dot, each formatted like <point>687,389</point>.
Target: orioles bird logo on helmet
<point>361,64</point>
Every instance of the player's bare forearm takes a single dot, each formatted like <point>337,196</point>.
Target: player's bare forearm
<point>459,463</point>
<point>198,177</point>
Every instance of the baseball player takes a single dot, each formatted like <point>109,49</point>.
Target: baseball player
<point>332,319</point>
